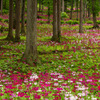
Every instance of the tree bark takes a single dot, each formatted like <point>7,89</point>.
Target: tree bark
<point>1,6</point>
<point>71,9</point>
<point>95,25</point>
<point>23,17</point>
<point>30,55</point>
<point>81,17</point>
<point>10,32</point>
<point>48,12</point>
<point>55,28</point>
<point>59,19</point>
<point>77,8</point>
<point>56,20</point>
<point>17,16</point>
<point>63,6</point>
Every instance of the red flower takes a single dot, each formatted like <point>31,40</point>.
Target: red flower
<point>99,87</point>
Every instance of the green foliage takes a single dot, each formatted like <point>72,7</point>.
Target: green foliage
<point>42,22</point>
<point>89,22</point>
<point>72,22</point>
<point>6,20</point>
<point>98,21</point>
<point>5,11</point>
<point>62,22</point>
<point>64,15</point>
<point>1,19</point>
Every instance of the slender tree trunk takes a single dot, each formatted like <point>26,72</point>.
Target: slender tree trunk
<point>77,8</point>
<point>17,15</point>
<point>30,55</point>
<point>95,25</point>
<point>1,6</point>
<point>10,32</point>
<point>5,4</point>
<point>81,17</point>
<point>59,19</point>
<point>55,28</point>
<point>39,5</point>
<point>71,9</point>
<point>62,5</point>
<point>65,8</point>
<point>23,17</point>
<point>48,12</point>
<point>42,7</point>
<point>89,14</point>
<point>84,10</point>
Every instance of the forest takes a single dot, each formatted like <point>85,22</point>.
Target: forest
<point>49,49</point>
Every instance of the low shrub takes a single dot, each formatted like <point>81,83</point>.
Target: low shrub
<point>89,22</point>
<point>98,21</point>
<point>64,15</point>
<point>72,22</point>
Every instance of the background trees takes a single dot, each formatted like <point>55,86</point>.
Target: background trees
<point>46,7</point>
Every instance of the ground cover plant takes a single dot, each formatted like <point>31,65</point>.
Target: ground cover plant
<point>69,70</point>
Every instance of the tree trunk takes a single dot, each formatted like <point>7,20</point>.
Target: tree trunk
<point>84,10</point>
<point>56,20</point>
<point>23,17</point>
<point>95,25</point>
<point>48,12</point>
<point>89,14</point>
<point>1,6</point>
<point>81,17</point>
<point>30,55</point>
<point>77,8</point>
<point>42,6</point>
<point>5,4</point>
<point>10,32</point>
<point>59,19</point>
<point>17,15</point>
<point>71,9</point>
<point>65,8</point>
<point>55,28</point>
<point>62,5</point>
<point>39,5</point>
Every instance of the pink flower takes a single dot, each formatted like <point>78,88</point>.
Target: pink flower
<point>99,87</point>
<point>20,94</point>
<point>37,96</point>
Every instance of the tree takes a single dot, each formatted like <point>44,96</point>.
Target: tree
<point>72,1</point>
<point>23,17</point>
<point>94,12</point>
<point>30,54</point>
<point>56,20</point>
<point>10,32</point>
<point>1,5</point>
<point>63,6</point>
<point>81,17</point>
<point>17,16</point>
<point>77,8</point>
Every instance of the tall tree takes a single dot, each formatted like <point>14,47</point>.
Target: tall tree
<point>23,17</point>
<point>17,16</point>
<point>1,6</point>
<point>81,17</point>
<point>77,8</point>
<point>72,1</point>
<point>10,32</point>
<point>95,25</point>
<point>30,54</point>
<point>56,20</point>
<point>63,5</point>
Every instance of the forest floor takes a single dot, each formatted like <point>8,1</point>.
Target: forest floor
<point>69,70</point>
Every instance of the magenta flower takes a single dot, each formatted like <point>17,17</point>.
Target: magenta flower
<point>37,96</point>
